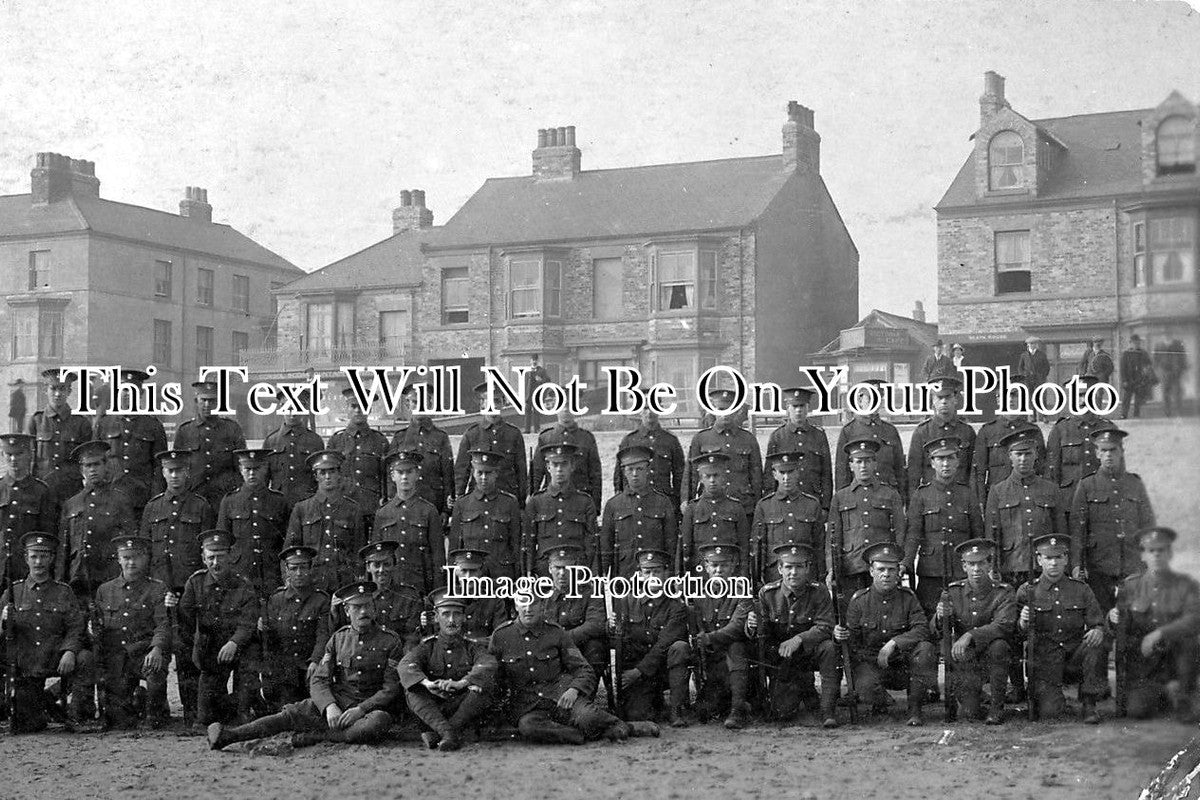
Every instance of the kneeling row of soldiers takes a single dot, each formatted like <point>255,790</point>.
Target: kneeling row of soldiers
<point>353,685</point>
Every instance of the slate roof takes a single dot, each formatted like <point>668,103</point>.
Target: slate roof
<point>921,333</point>
<point>1103,158</point>
<point>20,217</point>
<point>395,261</point>
<point>663,198</point>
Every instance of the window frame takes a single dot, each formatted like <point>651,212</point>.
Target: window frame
<point>993,166</point>
<point>1183,245</point>
<point>205,333</point>
<point>465,308</point>
<point>162,349</point>
<point>702,278</point>
<point>205,295</point>
<point>534,289</point>
<point>24,335</point>
<point>597,291</point>
<point>236,349</point>
<point>38,277</point>
<point>51,329</point>
<point>241,300</point>
<point>1184,163</point>
<point>163,283</point>
<point>1008,268</point>
<point>1140,251</point>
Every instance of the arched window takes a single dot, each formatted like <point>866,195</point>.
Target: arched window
<point>1006,154</point>
<point>1175,142</point>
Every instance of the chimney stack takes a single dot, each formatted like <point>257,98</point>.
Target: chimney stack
<point>411,214</point>
<point>556,156</point>
<point>56,177</point>
<point>801,142</point>
<point>194,204</point>
<point>919,311</point>
<point>992,99</point>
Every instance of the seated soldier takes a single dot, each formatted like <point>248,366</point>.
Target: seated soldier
<point>448,679</point>
<point>549,681</point>
<point>654,640</point>
<point>135,638</point>
<point>484,614</point>
<point>1068,630</point>
<point>1161,652</point>
<point>720,642</point>
<point>797,619</point>
<point>356,679</point>
<point>888,636</point>
<point>575,608</point>
<point>982,616</point>
<point>43,631</point>
<point>295,627</point>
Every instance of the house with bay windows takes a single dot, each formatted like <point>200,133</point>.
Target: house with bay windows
<point>1072,227</point>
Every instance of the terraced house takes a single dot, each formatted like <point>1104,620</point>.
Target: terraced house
<point>1072,227</point>
<point>671,268</point>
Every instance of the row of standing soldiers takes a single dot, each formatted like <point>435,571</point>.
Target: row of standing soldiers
<point>947,504</point>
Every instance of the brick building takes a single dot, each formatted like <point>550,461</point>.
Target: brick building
<point>1072,227</point>
<point>87,280</point>
<point>670,268</point>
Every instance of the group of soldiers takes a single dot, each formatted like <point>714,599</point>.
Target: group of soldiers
<point>301,586</point>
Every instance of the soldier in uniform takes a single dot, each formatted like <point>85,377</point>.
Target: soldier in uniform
<point>1160,609</point>
<point>135,441</point>
<point>485,614</point>
<point>639,517</point>
<point>488,518</point>
<point>56,433</point>
<point>1070,454</point>
<point>655,642</point>
<point>983,616</point>
<point>398,605</point>
<point>789,515</point>
<point>26,503</point>
<point>362,449</point>
<point>435,468</point>
<point>348,692</point>
<point>134,639</point>
<point>218,615</point>
<point>742,466</point>
<point>798,435</point>
<point>947,396</point>
<point>586,471</point>
<point>667,462</point>
<point>212,441</point>
<point>891,450</point>
<point>295,627</point>
<point>574,607</point>
<point>863,514</point>
<point>288,448</point>
<point>715,516</point>
<point>329,522</point>
<point>1069,628</point>
<point>717,634</point>
<point>43,622</point>
<point>90,520</point>
<point>493,435</point>
<point>549,682</point>
<point>991,461</point>
<point>448,679</point>
<point>414,524</point>
<point>1109,508</point>
<point>257,518</point>
<point>795,614</point>
<point>888,635</point>
<point>560,513</point>
<point>941,514</point>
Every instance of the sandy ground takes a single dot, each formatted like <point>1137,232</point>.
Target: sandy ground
<point>884,759</point>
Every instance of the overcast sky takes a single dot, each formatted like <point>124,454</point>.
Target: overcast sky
<point>305,120</point>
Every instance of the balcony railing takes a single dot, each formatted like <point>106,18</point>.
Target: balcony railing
<point>284,358</point>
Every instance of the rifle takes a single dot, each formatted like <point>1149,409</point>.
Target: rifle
<point>10,649</point>
<point>615,695</point>
<point>947,631</point>
<point>760,638</point>
<point>96,616</point>
<point>1122,634</point>
<point>839,612</point>
<point>695,628</point>
<point>1030,641</point>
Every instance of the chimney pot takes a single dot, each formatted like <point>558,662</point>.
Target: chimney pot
<point>418,198</point>
<point>562,136</point>
<point>552,137</point>
<point>556,156</point>
<point>405,198</point>
<point>993,95</point>
<point>570,136</point>
<point>195,204</point>
<point>919,311</point>
<point>541,137</point>
<point>801,142</point>
<point>412,213</point>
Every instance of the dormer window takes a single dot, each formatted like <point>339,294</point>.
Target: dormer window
<point>1006,156</point>
<point>1175,143</point>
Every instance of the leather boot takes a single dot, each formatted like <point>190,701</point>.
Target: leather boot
<point>642,728</point>
<point>915,717</point>
<point>220,736</point>
<point>1088,713</point>
<point>829,697</point>
<point>739,709</point>
<point>553,733</point>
